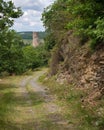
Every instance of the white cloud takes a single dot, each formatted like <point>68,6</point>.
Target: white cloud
<point>31,19</point>
<point>32,23</point>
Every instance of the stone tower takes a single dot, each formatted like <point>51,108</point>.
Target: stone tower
<point>35,39</point>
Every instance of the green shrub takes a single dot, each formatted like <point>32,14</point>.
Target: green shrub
<point>35,57</point>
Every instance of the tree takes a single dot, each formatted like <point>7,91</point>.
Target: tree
<point>65,20</point>
<point>11,54</point>
<point>88,19</point>
<point>35,57</point>
<point>84,18</point>
<point>7,12</point>
<point>56,17</point>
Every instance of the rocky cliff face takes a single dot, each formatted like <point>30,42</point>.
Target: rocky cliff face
<point>81,66</point>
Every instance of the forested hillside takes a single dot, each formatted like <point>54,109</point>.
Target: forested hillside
<point>29,35</point>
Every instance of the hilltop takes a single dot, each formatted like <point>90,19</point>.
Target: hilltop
<point>28,35</point>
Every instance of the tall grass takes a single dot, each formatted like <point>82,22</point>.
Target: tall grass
<point>81,116</point>
<point>6,106</point>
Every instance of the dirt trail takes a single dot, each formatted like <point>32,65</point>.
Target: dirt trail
<point>45,113</point>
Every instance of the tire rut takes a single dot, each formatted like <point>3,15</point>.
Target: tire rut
<point>49,108</point>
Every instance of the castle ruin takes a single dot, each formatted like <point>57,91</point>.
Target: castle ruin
<point>35,39</point>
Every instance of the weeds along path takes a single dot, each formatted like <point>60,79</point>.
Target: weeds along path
<point>32,107</point>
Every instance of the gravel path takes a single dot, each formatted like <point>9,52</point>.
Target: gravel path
<point>48,115</point>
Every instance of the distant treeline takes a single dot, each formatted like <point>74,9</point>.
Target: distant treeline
<point>28,35</point>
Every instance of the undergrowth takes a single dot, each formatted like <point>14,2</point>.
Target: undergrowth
<point>81,116</point>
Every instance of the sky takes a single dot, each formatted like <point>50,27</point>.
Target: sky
<point>31,19</point>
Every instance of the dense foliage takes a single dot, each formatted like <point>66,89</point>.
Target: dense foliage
<point>35,57</point>
<point>29,35</point>
<point>11,54</point>
<point>15,57</point>
<point>55,19</point>
<point>84,18</point>
<point>88,19</point>
<point>7,12</point>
